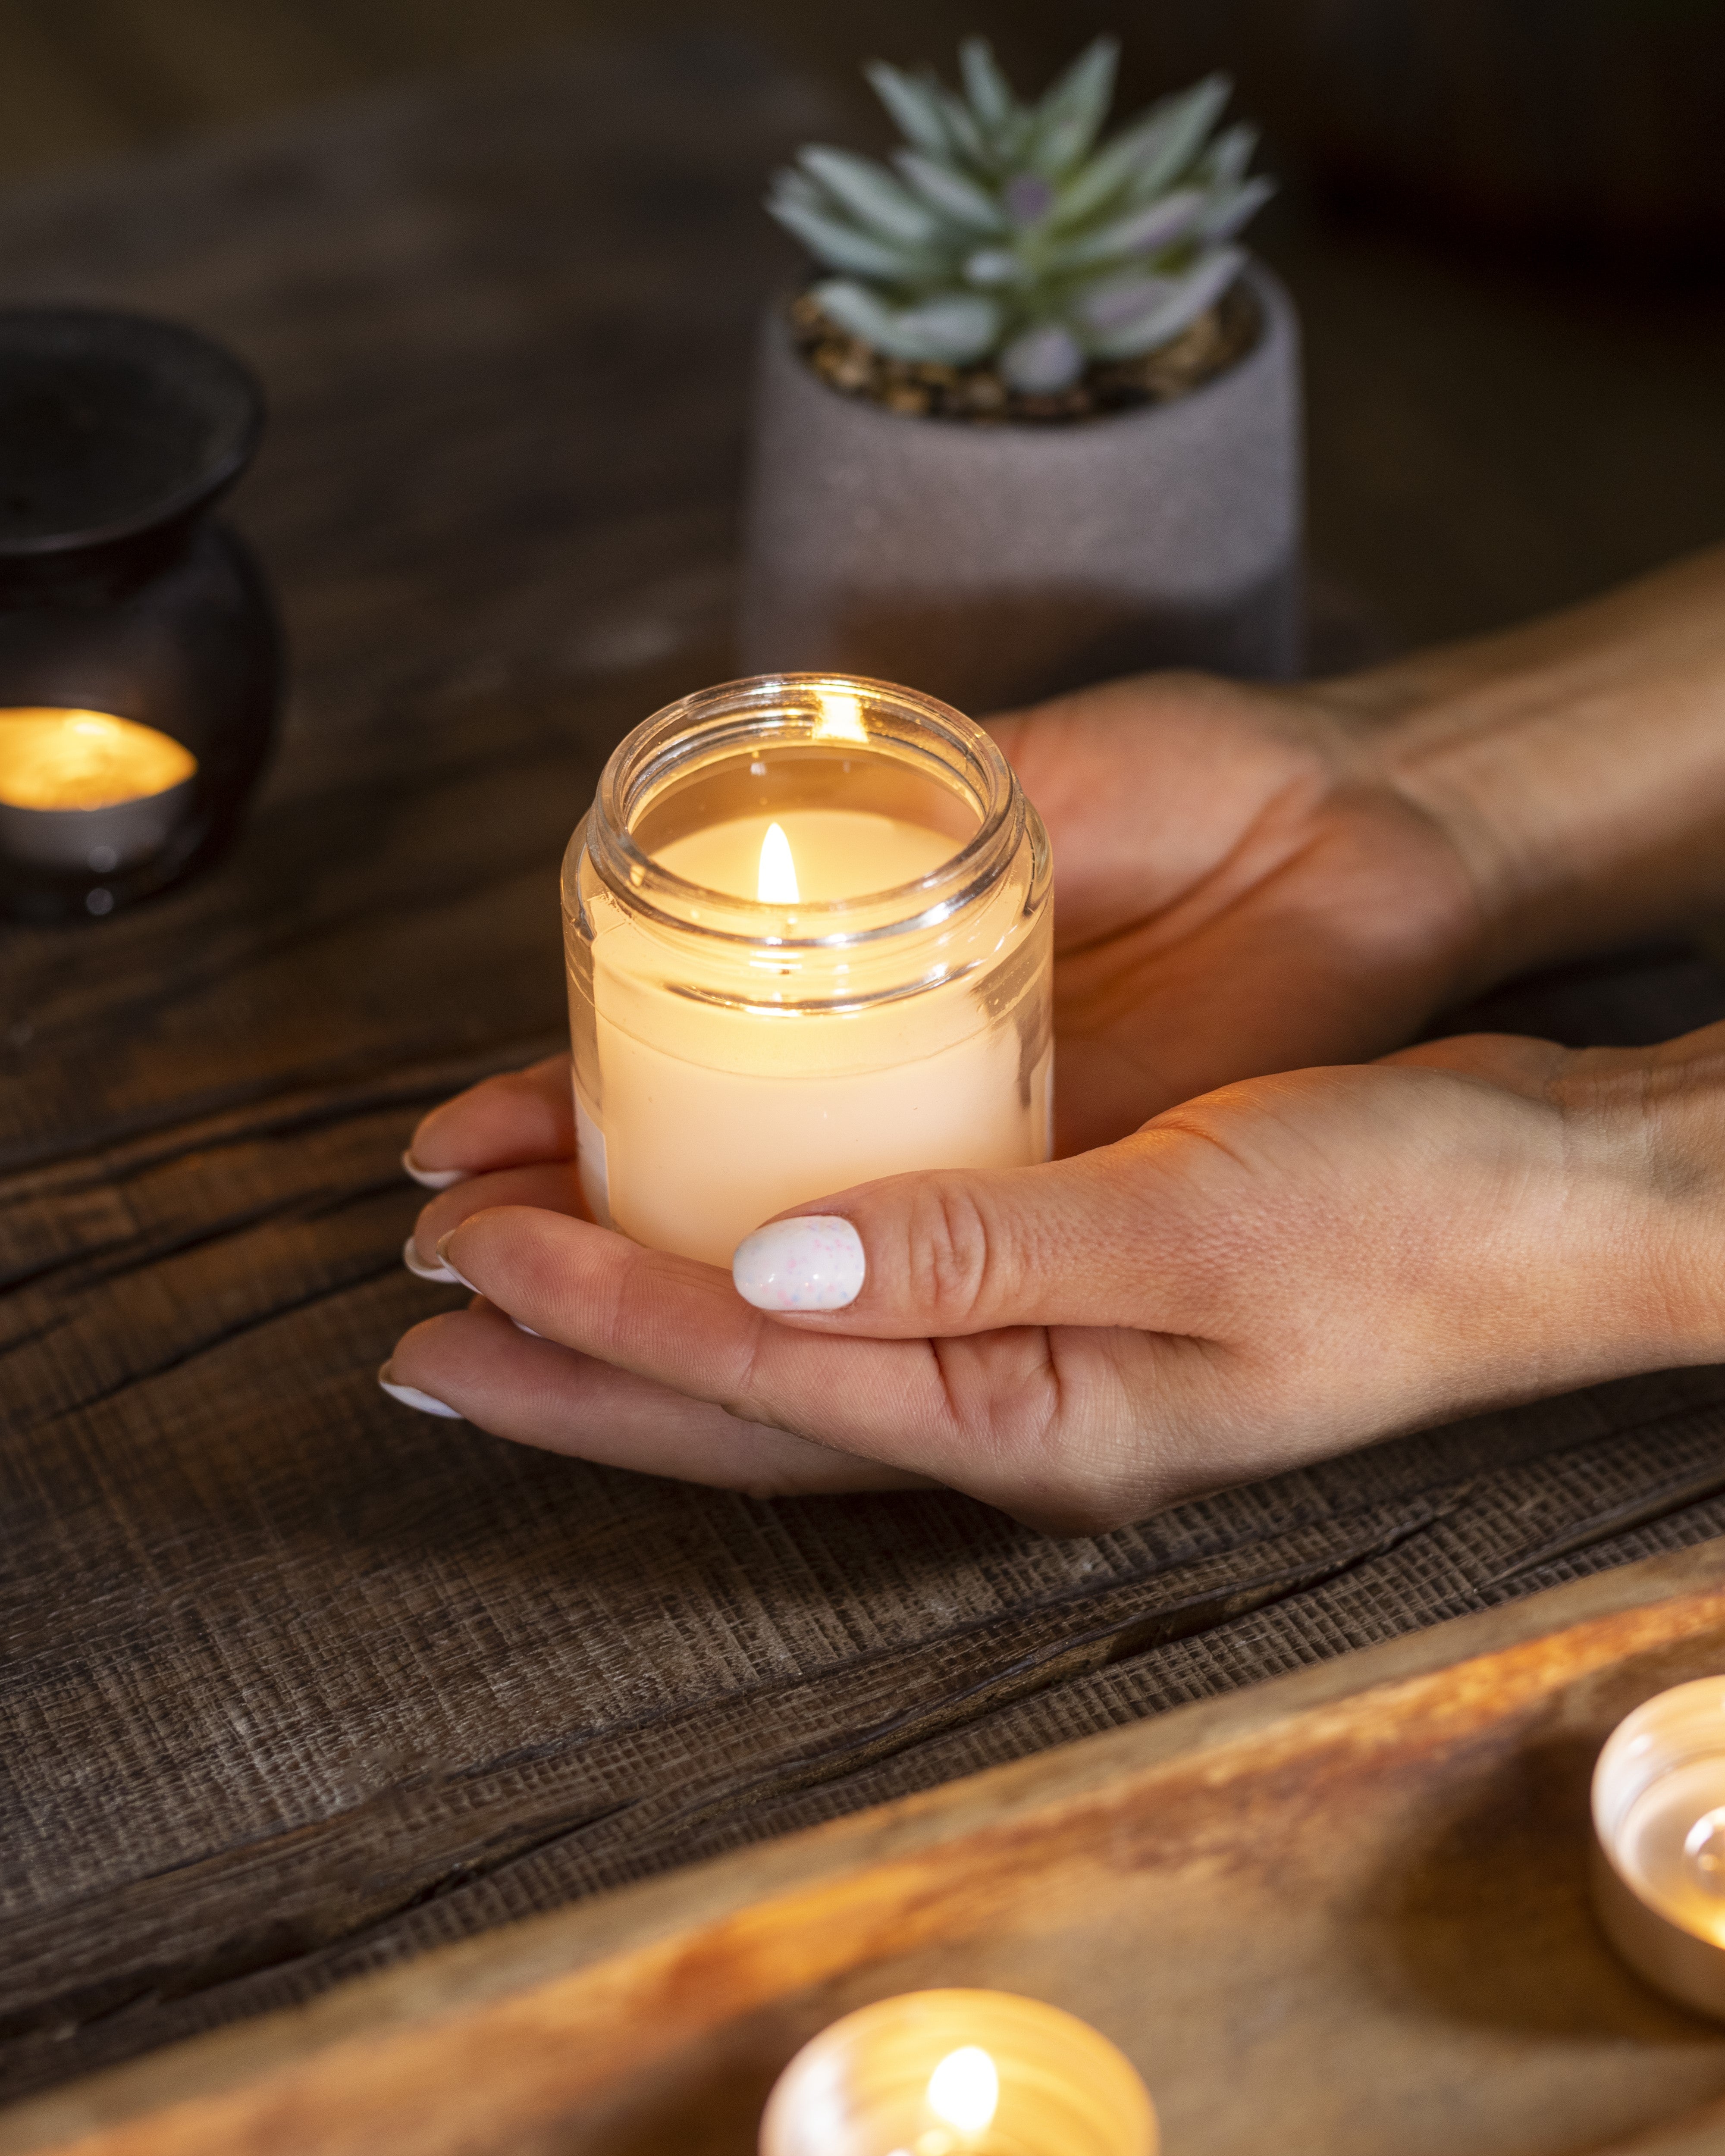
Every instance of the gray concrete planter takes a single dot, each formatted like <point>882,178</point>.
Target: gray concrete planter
<point>991,565</point>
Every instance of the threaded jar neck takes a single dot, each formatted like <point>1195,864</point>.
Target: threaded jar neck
<point>790,741</point>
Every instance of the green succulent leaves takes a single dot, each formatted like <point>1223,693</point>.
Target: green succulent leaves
<point>1002,231</point>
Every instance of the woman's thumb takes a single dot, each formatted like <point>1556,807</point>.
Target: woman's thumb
<point>1076,1242</point>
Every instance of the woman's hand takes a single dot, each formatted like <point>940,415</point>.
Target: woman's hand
<point>1279,1271</point>
<point>1247,880</point>
<point>1253,879</point>
<point>1238,889</point>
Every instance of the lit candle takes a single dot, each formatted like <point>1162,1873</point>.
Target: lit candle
<point>1659,1841</point>
<point>959,2073</point>
<point>808,935</point>
<point>87,791</point>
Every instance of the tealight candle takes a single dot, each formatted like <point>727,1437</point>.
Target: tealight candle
<point>87,790</point>
<point>1659,1841</point>
<point>808,932</point>
<point>959,2073</point>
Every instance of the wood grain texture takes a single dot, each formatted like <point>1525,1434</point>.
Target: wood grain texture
<point>297,1684</point>
<point>1343,1913</point>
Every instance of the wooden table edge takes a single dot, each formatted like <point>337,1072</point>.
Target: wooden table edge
<point>270,2053</point>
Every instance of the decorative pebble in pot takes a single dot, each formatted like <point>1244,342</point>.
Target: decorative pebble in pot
<point>140,660</point>
<point>1041,423</point>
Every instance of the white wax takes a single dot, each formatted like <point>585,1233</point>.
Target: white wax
<point>713,1119</point>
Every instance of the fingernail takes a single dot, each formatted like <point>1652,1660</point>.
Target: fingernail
<point>444,1259</point>
<point>527,1329</point>
<point>416,1265</point>
<point>410,1396</point>
<point>814,1263</point>
<point>432,1179</point>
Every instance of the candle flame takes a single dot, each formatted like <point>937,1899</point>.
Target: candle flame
<point>964,2089</point>
<point>841,718</point>
<point>51,758</point>
<point>778,884</point>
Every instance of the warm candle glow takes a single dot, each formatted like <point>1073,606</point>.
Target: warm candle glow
<point>1658,1827</point>
<point>56,759</point>
<point>818,855</point>
<point>909,2077</point>
<point>777,883</point>
<point>797,963</point>
<point>708,1131</point>
<point>964,2089</point>
<point>1671,1845</point>
<point>841,718</point>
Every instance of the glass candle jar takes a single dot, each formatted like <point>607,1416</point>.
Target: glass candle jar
<point>808,932</point>
<point>959,2073</point>
<point>140,663</point>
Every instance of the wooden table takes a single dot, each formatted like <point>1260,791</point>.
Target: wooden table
<point>1343,1912</point>
<point>297,1684</point>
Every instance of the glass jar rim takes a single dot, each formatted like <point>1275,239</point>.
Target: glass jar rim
<point>790,709</point>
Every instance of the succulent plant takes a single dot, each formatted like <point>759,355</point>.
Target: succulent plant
<point>1006,232</point>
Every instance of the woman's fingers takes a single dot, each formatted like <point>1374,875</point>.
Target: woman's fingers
<point>675,1322</point>
<point>506,1121</point>
<point>537,1392</point>
<point>1068,1429</point>
<point>981,1415</point>
<point>553,1186</point>
<point>1514,1062</point>
<point>1104,1239</point>
<point>1265,1274</point>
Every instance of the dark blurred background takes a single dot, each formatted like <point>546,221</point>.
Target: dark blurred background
<point>1504,221</point>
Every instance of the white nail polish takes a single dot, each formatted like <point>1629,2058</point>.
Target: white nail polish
<point>527,1329</point>
<point>410,1396</point>
<point>434,1178</point>
<point>443,1259</point>
<point>814,1263</point>
<point>439,1272</point>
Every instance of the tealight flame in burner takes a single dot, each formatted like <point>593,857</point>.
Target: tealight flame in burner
<point>51,758</point>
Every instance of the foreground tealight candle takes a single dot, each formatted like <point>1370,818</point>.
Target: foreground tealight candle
<point>809,932</point>
<point>87,791</point>
<point>1659,1841</point>
<point>959,2073</point>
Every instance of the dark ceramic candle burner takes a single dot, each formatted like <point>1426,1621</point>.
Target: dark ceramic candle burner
<point>120,595</point>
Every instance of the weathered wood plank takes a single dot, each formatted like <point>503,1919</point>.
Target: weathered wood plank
<point>1344,1914</point>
